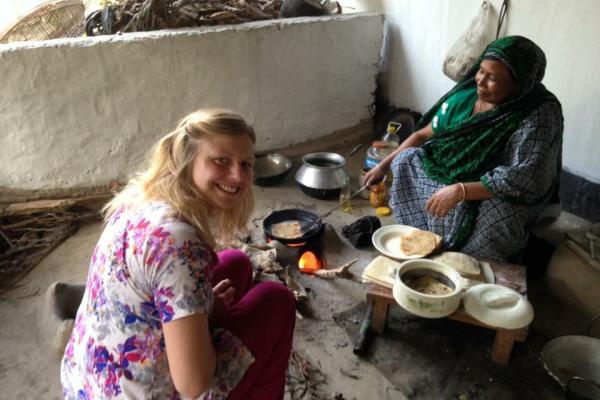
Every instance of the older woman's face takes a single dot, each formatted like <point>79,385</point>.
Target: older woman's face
<point>223,169</point>
<point>495,84</point>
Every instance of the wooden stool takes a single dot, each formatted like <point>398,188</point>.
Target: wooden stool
<point>510,275</point>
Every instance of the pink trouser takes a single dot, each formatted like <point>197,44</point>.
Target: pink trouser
<point>262,317</point>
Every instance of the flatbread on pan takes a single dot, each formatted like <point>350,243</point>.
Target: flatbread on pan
<point>287,230</point>
<point>418,242</point>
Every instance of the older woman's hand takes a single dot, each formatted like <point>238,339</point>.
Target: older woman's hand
<point>373,176</point>
<point>444,200</point>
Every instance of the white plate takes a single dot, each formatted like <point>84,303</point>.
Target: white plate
<point>486,271</point>
<point>387,240</point>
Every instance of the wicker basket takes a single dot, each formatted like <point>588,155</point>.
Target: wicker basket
<point>49,20</point>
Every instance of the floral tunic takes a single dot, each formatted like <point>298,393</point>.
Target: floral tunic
<point>147,269</point>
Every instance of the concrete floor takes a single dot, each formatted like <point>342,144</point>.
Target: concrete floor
<point>29,369</point>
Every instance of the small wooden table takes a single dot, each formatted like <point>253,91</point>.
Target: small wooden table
<point>510,275</point>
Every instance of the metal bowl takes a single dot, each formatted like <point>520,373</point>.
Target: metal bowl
<point>271,169</point>
<point>572,356</point>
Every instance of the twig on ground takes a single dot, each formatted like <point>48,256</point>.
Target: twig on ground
<point>303,378</point>
<point>342,271</point>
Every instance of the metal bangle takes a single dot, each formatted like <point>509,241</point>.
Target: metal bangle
<point>464,191</point>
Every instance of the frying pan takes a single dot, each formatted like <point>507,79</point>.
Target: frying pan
<point>291,214</point>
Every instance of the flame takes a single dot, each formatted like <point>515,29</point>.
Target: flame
<point>309,262</point>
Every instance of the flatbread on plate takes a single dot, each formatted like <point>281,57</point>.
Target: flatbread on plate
<point>419,242</point>
<point>382,271</point>
<point>469,283</point>
<point>464,264</point>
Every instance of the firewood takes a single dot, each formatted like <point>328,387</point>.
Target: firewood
<point>343,271</point>
<point>296,288</point>
<point>37,206</point>
<point>31,227</point>
<point>147,15</point>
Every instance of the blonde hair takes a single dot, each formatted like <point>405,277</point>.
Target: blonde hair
<point>169,177</point>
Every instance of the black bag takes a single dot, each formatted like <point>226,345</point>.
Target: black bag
<point>359,232</point>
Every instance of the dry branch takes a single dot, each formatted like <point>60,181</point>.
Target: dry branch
<point>148,15</point>
<point>31,229</point>
<point>342,271</point>
<point>303,378</point>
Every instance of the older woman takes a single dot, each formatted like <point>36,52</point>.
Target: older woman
<point>486,158</point>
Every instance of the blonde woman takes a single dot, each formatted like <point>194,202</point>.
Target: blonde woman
<point>163,316</point>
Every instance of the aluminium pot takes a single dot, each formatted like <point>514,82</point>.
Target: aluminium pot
<point>322,175</point>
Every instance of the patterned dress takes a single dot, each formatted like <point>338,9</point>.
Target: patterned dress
<point>527,169</point>
<point>147,269</point>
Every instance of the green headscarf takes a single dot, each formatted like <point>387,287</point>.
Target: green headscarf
<point>464,151</point>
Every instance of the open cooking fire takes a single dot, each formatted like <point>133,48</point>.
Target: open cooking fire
<point>309,262</point>
<point>308,255</point>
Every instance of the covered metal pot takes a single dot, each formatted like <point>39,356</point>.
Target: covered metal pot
<point>322,175</point>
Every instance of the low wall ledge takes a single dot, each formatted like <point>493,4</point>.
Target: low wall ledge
<point>184,32</point>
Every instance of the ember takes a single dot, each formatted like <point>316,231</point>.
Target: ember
<point>292,245</point>
<point>309,262</point>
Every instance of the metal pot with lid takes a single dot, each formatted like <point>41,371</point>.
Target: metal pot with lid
<point>322,175</point>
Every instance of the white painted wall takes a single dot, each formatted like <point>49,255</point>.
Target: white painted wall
<point>13,10</point>
<point>419,34</point>
<point>82,112</point>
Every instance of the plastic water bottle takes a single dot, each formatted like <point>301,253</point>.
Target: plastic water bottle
<point>381,148</point>
<point>377,152</point>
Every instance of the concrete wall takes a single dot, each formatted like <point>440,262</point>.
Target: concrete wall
<point>82,112</point>
<point>420,33</point>
<point>12,11</point>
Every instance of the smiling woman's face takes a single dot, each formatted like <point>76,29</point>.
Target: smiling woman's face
<point>495,84</point>
<point>223,169</point>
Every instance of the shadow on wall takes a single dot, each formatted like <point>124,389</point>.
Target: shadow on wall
<point>384,113</point>
<point>350,6</point>
<point>579,196</point>
<point>308,8</point>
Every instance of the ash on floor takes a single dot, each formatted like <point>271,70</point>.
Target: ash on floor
<point>443,359</point>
